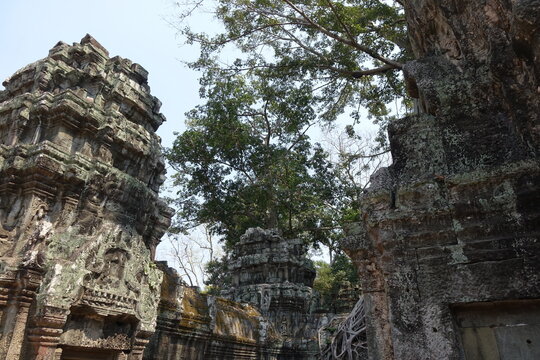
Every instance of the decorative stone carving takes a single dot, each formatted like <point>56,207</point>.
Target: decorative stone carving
<point>271,272</point>
<point>271,316</point>
<point>274,275</point>
<point>80,167</point>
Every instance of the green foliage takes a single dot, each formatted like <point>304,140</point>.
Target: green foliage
<point>345,53</point>
<point>246,159</point>
<point>324,281</point>
<point>218,276</point>
<point>331,277</point>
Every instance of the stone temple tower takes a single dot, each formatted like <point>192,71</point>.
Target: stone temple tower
<point>275,275</point>
<point>80,217</point>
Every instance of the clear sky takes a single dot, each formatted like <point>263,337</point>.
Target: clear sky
<point>139,30</point>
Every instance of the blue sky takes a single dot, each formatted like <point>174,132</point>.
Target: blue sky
<point>139,30</point>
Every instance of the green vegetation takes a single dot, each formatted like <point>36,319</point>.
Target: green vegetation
<point>246,161</point>
<point>331,277</point>
<point>246,158</point>
<point>218,276</point>
<point>343,53</point>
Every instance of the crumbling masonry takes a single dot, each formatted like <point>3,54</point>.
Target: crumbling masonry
<point>449,247</point>
<point>80,168</point>
<point>80,219</point>
<point>270,310</point>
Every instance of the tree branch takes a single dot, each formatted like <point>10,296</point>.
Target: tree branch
<point>235,168</point>
<point>332,7</point>
<point>352,43</point>
<point>268,127</point>
<point>299,137</point>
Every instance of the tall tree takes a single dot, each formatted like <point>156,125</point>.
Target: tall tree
<point>354,158</point>
<point>246,160</point>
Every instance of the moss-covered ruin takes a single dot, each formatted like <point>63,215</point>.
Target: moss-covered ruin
<point>80,170</point>
<point>448,249</point>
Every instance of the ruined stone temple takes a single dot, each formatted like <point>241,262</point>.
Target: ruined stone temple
<point>449,247</point>
<point>269,312</point>
<point>80,219</point>
<point>80,168</point>
<point>274,275</point>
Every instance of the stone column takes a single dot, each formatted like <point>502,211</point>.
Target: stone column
<point>139,343</point>
<point>44,335</point>
<point>17,337</point>
<point>18,296</point>
<point>7,286</point>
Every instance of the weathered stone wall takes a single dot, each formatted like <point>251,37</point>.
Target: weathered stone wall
<point>270,311</point>
<point>453,225</point>
<point>80,167</point>
<point>274,275</point>
<point>196,326</point>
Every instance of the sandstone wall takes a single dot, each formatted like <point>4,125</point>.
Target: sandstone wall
<point>196,326</point>
<point>449,246</point>
<point>80,217</point>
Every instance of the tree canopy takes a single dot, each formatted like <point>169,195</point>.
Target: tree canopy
<point>347,53</point>
<point>246,158</point>
<point>332,277</point>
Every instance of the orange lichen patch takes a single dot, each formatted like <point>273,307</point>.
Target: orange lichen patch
<point>194,308</point>
<point>237,321</point>
<point>168,288</point>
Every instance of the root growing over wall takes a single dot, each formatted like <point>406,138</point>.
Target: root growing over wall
<point>349,341</point>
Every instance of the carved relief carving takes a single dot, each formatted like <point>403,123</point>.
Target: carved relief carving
<point>80,168</point>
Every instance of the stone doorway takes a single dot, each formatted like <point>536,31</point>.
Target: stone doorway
<point>504,330</point>
<point>89,354</point>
